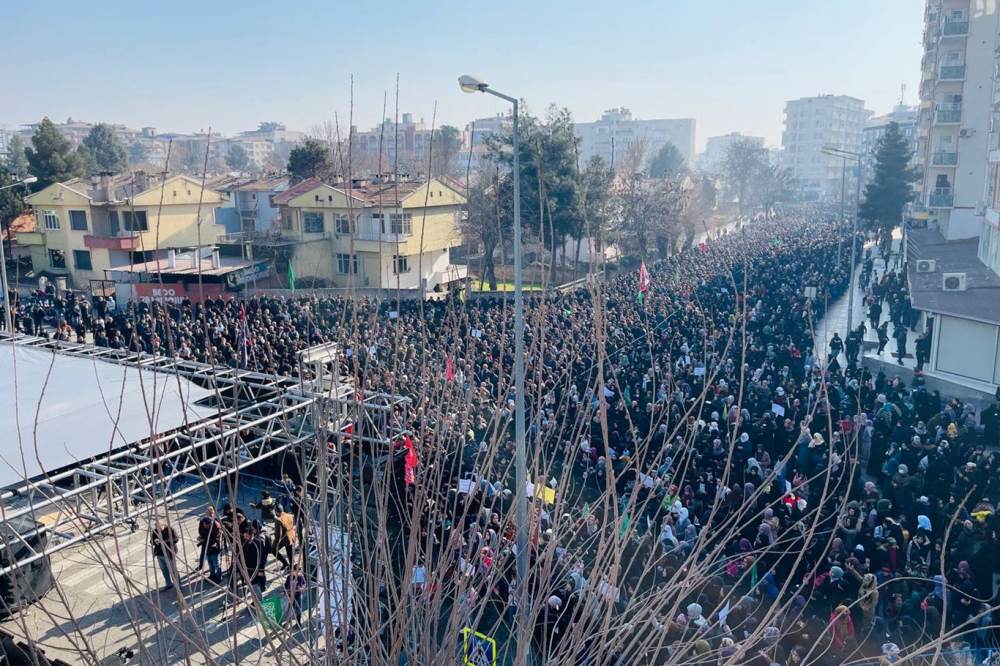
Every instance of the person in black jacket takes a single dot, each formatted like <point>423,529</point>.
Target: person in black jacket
<point>210,543</point>
<point>163,539</point>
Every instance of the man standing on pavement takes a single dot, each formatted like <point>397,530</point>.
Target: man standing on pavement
<point>210,542</point>
<point>852,345</point>
<point>900,334</point>
<point>923,349</point>
<point>163,539</point>
<point>284,537</point>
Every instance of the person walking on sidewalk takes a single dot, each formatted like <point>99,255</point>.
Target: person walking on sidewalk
<point>836,346</point>
<point>284,537</point>
<point>883,336</point>
<point>163,539</point>
<point>295,591</point>
<point>922,349</point>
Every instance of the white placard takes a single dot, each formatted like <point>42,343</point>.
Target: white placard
<point>393,314</point>
<point>466,486</point>
<point>476,333</point>
<point>699,371</point>
<point>777,409</point>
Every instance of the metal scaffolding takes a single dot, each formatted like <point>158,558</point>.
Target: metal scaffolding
<point>258,416</point>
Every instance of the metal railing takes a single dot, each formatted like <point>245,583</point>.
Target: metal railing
<point>949,114</point>
<point>941,197</point>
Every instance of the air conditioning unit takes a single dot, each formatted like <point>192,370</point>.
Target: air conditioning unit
<point>925,265</point>
<point>965,134</point>
<point>980,208</point>
<point>953,282</point>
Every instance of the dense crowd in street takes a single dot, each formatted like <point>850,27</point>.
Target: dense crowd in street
<point>836,514</point>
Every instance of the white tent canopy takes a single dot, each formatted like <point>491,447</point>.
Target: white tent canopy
<point>58,410</point>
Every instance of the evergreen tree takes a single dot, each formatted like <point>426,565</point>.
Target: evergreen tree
<point>549,175</point>
<point>106,148</point>
<point>891,188</point>
<point>17,160</point>
<point>51,158</point>
<point>137,153</point>
<point>447,143</point>
<point>311,159</point>
<point>238,159</point>
<point>667,163</point>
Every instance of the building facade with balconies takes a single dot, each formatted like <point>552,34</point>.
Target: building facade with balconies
<point>611,136</point>
<point>86,227</point>
<point>953,125</point>
<point>389,233</point>
<point>814,122</point>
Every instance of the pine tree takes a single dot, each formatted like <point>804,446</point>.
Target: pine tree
<point>667,163</point>
<point>17,160</point>
<point>51,158</point>
<point>891,189</point>
<point>106,149</point>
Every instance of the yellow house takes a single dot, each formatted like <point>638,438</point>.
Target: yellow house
<point>86,227</point>
<point>389,233</point>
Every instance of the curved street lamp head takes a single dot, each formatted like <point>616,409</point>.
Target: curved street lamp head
<point>29,180</point>
<point>471,84</point>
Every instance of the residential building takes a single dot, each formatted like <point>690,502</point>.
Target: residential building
<point>956,94</point>
<point>247,207</point>
<point>902,115</point>
<point>86,227</point>
<point>267,147</point>
<point>386,233</point>
<point>390,139</point>
<point>717,147</point>
<point>951,241</point>
<point>617,129</point>
<point>474,149</point>
<point>812,123</point>
<point>77,130</point>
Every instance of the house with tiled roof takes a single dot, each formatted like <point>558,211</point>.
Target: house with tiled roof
<point>388,232</point>
<point>86,227</point>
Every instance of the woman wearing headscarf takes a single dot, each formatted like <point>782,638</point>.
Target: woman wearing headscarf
<point>841,627</point>
<point>868,599</point>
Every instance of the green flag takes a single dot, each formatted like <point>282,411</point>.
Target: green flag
<point>270,615</point>
<point>291,278</point>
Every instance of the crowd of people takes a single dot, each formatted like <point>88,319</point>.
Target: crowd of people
<point>764,504</point>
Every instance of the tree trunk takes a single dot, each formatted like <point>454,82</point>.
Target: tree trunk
<point>576,258</point>
<point>491,272</point>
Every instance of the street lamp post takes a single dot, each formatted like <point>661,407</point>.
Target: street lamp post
<point>8,319</point>
<point>838,152</point>
<point>472,84</point>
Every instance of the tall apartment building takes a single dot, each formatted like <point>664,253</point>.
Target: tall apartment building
<point>814,122</point>
<point>717,147</point>
<point>956,93</point>
<point>610,136</point>
<point>391,138</point>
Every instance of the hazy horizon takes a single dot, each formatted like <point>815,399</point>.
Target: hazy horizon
<point>229,66</point>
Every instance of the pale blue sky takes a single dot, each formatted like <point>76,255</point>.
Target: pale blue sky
<point>186,65</point>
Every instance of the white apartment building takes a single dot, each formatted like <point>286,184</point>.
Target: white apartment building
<point>814,122</point>
<point>717,147</point>
<point>956,93</point>
<point>902,115</point>
<point>610,136</point>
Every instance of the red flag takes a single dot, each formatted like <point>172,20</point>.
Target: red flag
<point>411,460</point>
<point>643,278</point>
<point>449,371</point>
<point>704,249</point>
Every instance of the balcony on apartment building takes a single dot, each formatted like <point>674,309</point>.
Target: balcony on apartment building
<point>269,237</point>
<point>380,237</point>
<point>955,28</point>
<point>948,114</point>
<point>941,197</point>
<point>944,158</point>
<point>120,240</point>
<point>952,72</point>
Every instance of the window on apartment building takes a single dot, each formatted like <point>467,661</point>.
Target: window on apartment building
<point>51,220</point>
<point>312,223</point>
<point>57,259</point>
<point>78,220</point>
<point>286,220</point>
<point>400,264</point>
<point>135,220</point>
<point>114,225</point>
<point>341,225</point>
<point>378,223</point>
<point>345,264</point>
<point>81,259</point>
<point>401,223</point>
